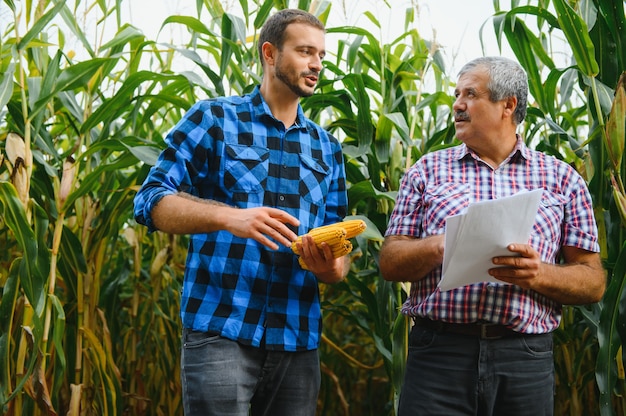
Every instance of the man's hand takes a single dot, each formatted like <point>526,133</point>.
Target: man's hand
<point>320,260</point>
<point>518,270</point>
<point>261,224</point>
<point>579,280</point>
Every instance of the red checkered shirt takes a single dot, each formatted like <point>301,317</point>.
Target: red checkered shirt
<point>445,182</point>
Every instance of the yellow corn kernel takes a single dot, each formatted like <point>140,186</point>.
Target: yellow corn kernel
<point>353,227</point>
<point>326,233</point>
<point>302,263</point>
<point>341,249</point>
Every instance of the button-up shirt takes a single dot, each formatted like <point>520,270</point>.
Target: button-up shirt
<point>232,150</point>
<point>445,182</point>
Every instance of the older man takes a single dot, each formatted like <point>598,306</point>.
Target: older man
<point>486,348</point>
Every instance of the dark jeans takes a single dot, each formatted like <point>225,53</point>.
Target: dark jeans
<point>449,374</point>
<point>221,377</point>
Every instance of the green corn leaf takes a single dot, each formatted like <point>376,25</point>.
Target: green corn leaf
<point>576,33</point>
<point>525,45</point>
<point>8,303</point>
<point>14,215</point>
<point>59,334</point>
<point>192,23</point>
<point>116,105</point>
<point>40,25</point>
<point>74,77</point>
<point>263,13</point>
<point>74,26</point>
<point>365,130</point>
<point>400,335</point>
<point>125,36</point>
<point>608,336</point>
<point>11,4</point>
<point>6,85</point>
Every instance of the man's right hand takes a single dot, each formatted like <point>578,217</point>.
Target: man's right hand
<point>263,224</point>
<point>185,214</point>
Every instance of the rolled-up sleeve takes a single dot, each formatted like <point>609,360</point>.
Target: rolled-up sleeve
<point>147,198</point>
<point>187,147</point>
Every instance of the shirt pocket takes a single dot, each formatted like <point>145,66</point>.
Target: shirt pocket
<point>443,201</point>
<point>245,169</point>
<point>314,179</point>
<point>549,219</point>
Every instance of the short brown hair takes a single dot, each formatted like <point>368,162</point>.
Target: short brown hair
<point>273,30</point>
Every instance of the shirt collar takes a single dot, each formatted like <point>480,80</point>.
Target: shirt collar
<point>520,148</point>
<point>262,110</point>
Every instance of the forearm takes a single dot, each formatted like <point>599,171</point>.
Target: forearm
<point>572,284</point>
<point>404,258</point>
<point>579,280</point>
<point>185,214</point>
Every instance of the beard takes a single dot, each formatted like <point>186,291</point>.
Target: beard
<point>291,79</point>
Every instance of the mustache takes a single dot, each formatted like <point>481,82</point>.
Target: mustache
<point>461,116</point>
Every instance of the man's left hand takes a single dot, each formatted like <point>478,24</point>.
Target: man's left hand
<point>518,270</point>
<point>320,260</point>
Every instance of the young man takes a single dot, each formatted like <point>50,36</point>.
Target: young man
<point>244,176</point>
<point>486,349</point>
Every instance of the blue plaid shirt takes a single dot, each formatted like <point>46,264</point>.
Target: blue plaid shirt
<point>234,151</point>
<point>446,182</point>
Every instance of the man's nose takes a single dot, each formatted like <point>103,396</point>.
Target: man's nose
<point>459,104</point>
<point>316,63</point>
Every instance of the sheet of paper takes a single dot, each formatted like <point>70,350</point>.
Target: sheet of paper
<point>483,232</point>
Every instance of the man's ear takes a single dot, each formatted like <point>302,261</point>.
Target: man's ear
<point>269,53</point>
<point>510,104</point>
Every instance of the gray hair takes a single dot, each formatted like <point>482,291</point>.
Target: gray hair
<point>507,79</point>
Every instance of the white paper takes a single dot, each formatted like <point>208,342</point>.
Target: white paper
<point>483,232</point>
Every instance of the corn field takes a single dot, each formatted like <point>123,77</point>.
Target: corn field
<point>89,301</point>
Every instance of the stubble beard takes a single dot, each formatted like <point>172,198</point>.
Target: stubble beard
<point>290,78</point>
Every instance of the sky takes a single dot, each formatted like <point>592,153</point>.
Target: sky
<point>455,24</point>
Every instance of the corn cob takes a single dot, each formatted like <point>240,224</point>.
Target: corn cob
<point>341,248</point>
<point>327,233</point>
<point>353,227</point>
<point>302,263</point>
<point>335,235</point>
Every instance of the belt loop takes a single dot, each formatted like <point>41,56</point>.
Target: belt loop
<point>484,334</point>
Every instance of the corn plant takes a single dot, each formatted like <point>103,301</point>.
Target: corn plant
<point>89,301</point>
<point>579,115</point>
<point>386,102</point>
<point>80,295</point>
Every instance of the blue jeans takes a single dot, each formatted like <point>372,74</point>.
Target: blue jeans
<point>450,374</point>
<point>221,377</point>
